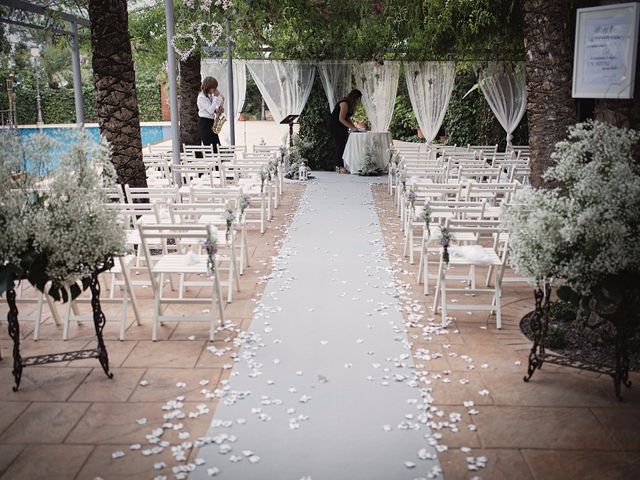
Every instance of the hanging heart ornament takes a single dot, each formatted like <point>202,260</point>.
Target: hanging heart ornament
<point>184,44</point>
<point>209,33</point>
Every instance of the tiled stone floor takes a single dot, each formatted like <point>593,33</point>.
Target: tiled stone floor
<point>68,419</point>
<point>563,424</point>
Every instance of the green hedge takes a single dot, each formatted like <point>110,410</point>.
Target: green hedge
<point>314,131</point>
<point>58,105</point>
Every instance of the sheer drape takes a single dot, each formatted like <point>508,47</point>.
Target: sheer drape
<point>379,86</point>
<point>335,76</point>
<point>285,86</point>
<point>217,68</point>
<point>430,85</point>
<point>504,87</point>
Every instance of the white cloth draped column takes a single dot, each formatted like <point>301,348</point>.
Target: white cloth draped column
<point>335,76</point>
<point>285,86</point>
<point>379,86</point>
<point>217,68</point>
<point>504,87</point>
<point>430,85</point>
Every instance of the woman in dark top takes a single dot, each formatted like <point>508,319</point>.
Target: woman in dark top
<point>340,123</point>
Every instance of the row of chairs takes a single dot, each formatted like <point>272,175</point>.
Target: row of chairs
<point>465,195</point>
<point>168,228</point>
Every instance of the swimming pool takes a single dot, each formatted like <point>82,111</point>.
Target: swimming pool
<point>152,132</point>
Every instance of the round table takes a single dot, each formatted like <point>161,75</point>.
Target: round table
<point>356,148</point>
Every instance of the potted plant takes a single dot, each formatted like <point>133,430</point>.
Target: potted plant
<point>584,234</point>
<point>58,233</point>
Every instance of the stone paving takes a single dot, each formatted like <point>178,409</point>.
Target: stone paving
<point>562,424</point>
<point>67,420</point>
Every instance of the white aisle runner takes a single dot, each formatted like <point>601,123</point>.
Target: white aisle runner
<point>324,388</point>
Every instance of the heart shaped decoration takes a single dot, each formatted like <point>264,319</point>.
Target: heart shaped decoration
<point>209,33</point>
<point>184,44</point>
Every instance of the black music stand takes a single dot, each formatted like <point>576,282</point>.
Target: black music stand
<point>290,120</point>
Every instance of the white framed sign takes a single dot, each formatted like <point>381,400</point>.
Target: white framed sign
<point>604,63</point>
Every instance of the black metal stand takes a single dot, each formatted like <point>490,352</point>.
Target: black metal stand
<point>290,120</point>
<point>537,356</point>
<point>99,321</point>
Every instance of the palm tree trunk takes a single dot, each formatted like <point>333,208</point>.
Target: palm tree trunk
<point>115,84</point>
<point>189,88</point>
<point>548,37</point>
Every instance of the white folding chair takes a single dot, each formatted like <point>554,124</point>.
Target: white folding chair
<point>122,267</point>
<point>33,297</point>
<point>192,262</point>
<point>472,255</point>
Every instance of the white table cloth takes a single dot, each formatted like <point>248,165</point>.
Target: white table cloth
<point>354,151</point>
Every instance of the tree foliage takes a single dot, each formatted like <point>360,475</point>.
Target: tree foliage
<point>352,29</point>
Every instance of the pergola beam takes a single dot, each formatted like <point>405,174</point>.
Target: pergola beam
<point>36,27</point>
<point>75,44</point>
<point>49,12</point>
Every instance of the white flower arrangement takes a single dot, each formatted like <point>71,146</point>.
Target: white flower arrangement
<point>588,231</point>
<point>534,221</point>
<point>184,44</point>
<point>370,165</point>
<point>62,232</point>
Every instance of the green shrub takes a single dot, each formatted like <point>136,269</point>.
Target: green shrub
<point>404,125</point>
<point>556,335</point>
<point>252,107</point>
<point>58,104</point>
<point>561,311</point>
<point>317,145</point>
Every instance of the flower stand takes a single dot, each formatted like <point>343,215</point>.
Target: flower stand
<point>100,352</point>
<point>537,328</point>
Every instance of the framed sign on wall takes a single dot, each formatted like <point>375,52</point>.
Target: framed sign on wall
<point>606,45</point>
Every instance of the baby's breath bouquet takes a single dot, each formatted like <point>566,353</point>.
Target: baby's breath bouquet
<point>586,233</point>
<point>57,230</point>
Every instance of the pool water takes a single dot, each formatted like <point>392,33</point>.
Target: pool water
<point>64,135</point>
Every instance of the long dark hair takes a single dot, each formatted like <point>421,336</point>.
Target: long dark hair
<point>352,100</point>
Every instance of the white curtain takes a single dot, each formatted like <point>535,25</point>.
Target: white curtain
<point>504,87</point>
<point>379,86</point>
<point>285,86</point>
<point>218,68</point>
<point>430,85</point>
<point>336,79</point>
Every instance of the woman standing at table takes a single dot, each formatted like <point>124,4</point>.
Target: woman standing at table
<point>209,105</point>
<point>340,123</point>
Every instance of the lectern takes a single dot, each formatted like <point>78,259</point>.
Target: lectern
<point>290,120</point>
